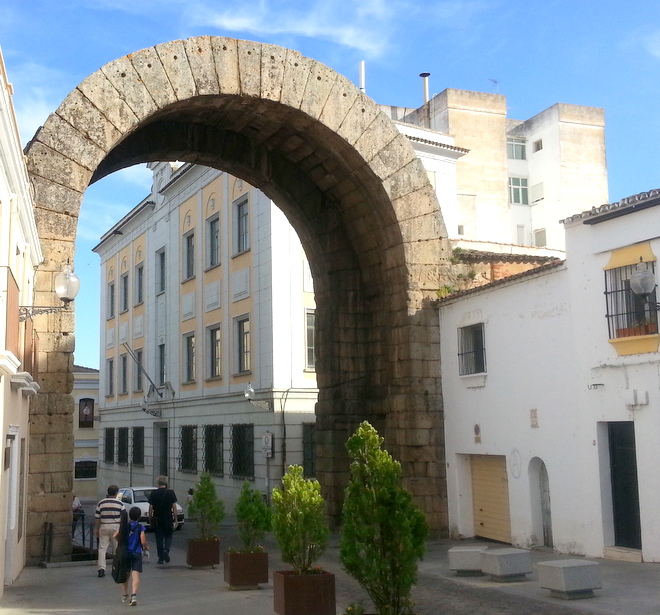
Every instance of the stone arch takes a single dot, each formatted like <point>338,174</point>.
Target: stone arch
<point>347,180</point>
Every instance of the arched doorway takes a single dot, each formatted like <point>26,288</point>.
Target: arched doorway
<point>539,485</point>
<point>348,182</point>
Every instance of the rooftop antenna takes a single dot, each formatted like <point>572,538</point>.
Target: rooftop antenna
<point>363,87</point>
<point>496,83</point>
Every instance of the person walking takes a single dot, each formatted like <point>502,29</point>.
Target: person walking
<point>163,517</point>
<point>78,514</point>
<point>136,545</point>
<point>106,523</point>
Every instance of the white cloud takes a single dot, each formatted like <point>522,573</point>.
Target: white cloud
<point>651,43</point>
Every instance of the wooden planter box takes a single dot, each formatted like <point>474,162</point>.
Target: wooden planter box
<point>648,329</point>
<point>245,570</point>
<point>302,594</point>
<point>203,552</point>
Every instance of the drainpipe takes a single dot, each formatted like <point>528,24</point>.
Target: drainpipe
<point>363,87</point>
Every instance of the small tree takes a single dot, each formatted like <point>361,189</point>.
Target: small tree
<point>299,524</point>
<point>207,507</point>
<point>383,531</point>
<point>253,518</point>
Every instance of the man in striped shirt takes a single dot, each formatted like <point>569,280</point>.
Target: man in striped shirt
<point>106,523</point>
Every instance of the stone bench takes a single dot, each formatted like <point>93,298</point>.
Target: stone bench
<point>570,578</point>
<point>466,561</point>
<point>506,565</point>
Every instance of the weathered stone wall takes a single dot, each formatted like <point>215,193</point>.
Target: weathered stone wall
<point>348,181</point>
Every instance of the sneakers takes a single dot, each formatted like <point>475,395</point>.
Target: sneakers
<point>166,557</point>
<point>101,573</point>
<point>124,598</point>
<point>133,601</point>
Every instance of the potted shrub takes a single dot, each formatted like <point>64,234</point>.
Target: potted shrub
<point>301,531</point>
<point>383,533</point>
<point>209,510</point>
<point>246,567</point>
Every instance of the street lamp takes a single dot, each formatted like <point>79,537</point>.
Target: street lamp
<point>67,285</point>
<point>642,283</point>
<point>249,395</point>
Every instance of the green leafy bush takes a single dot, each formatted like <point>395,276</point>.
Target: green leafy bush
<point>299,524</point>
<point>253,518</point>
<point>207,507</point>
<point>383,532</point>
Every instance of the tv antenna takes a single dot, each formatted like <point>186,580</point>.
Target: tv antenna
<point>496,83</point>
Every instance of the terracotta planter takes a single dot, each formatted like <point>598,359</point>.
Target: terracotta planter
<point>203,552</point>
<point>302,594</point>
<point>245,570</point>
<point>648,329</point>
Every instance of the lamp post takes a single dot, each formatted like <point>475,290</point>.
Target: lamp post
<point>67,285</point>
<point>642,283</point>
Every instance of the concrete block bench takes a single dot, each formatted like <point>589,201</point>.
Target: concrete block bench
<point>506,565</point>
<point>466,561</point>
<point>570,578</point>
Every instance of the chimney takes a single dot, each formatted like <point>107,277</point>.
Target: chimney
<point>425,81</point>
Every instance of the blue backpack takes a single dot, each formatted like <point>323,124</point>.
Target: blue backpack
<point>134,544</point>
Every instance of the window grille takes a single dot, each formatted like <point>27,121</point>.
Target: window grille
<point>309,450</point>
<point>242,451</point>
<point>138,446</point>
<point>628,314</point>
<point>85,469</point>
<point>122,445</point>
<point>109,452</point>
<point>213,449</point>
<point>471,350</point>
<point>188,439</point>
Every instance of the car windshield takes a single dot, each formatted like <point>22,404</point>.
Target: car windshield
<point>142,496</point>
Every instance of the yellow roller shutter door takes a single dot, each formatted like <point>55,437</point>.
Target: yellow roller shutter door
<point>490,496</point>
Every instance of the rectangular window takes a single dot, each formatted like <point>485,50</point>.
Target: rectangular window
<point>242,226</point>
<point>242,451</point>
<point>84,469</point>
<point>213,450</point>
<point>518,191</point>
<point>215,351</point>
<point>189,256</point>
<point>515,149</point>
<point>86,413</point>
<point>111,300</point>
<point>310,353</point>
<point>213,241</point>
<point>123,293</point>
<point>471,350</point>
<point>138,446</point>
<point>188,460</point>
<point>539,238</point>
<point>123,365</point>
<point>139,284</point>
<point>189,357</point>
<point>109,445</point>
<point>160,361</point>
<point>243,344</point>
<point>309,450</point>
<point>138,370</point>
<point>629,314</point>
<point>110,377</point>
<point>122,446</point>
<point>161,271</point>
<point>538,145</point>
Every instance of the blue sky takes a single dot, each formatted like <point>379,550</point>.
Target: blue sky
<point>600,53</point>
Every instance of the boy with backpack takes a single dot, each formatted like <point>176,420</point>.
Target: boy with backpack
<point>136,544</point>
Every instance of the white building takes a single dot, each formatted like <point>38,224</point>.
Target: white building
<point>206,287</point>
<point>551,393</point>
<point>20,253</point>
<point>85,430</point>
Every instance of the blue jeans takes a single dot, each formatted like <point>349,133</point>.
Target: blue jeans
<point>163,542</point>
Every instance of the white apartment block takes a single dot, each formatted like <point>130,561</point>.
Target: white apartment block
<point>85,430</point>
<point>206,291</point>
<point>515,180</point>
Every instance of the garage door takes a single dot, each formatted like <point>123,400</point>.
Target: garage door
<point>490,497</point>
